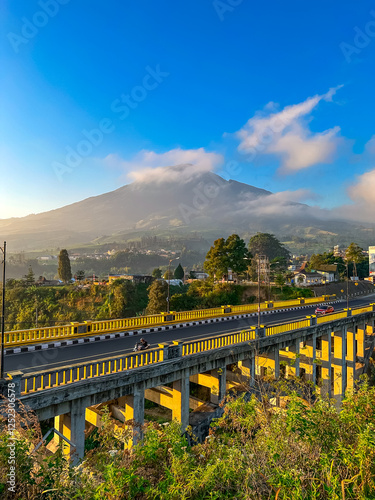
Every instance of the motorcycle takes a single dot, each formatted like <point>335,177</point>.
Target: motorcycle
<point>139,346</point>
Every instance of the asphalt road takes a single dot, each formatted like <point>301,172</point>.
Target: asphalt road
<point>62,356</point>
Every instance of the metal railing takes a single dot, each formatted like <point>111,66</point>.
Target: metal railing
<point>39,381</point>
<point>207,344</point>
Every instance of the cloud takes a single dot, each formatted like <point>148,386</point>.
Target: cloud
<point>286,203</point>
<point>174,165</point>
<point>363,192</point>
<point>286,134</point>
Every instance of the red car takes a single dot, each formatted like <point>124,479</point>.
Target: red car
<point>324,310</point>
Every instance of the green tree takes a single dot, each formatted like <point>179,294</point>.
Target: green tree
<point>354,254</point>
<point>80,275</point>
<point>227,254</point>
<point>168,275</point>
<point>157,273</point>
<point>216,262</point>
<point>29,278</point>
<point>64,269</point>
<point>268,245</point>
<point>238,254</point>
<point>179,273</point>
<point>280,280</point>
<point>157,297</point>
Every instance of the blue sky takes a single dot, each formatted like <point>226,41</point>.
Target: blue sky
<point>96,94</point>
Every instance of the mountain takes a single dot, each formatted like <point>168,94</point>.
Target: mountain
<point>180,203</point>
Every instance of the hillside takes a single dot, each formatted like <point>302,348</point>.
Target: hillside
<point>205,204</point>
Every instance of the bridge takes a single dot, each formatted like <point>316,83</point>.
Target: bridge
<point>331,351</point>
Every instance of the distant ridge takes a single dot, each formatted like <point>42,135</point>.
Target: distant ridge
<point>198,202</point>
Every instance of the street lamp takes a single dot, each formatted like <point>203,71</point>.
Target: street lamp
<point>347,282</point>
<point>259,258</point>
<point>169,279</point>
<point>3,249</point>
<point>347,285</point>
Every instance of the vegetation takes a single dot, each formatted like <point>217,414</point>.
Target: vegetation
<point>227,254</point>
<point>64,270</point>
<point>268,245</point>
<point>306,451</point>
<point>354,254</point>
<point>179,273</point>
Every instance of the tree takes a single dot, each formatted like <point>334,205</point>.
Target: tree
<point>157,273</point>
<point>354,253</point>
<point>29,278</point>
<point>80,275</point>
<point>238,254</point>
<point>168,275</point>
<point>64,269</point>
<point>227,254</point>
<point>179,272</point>
<point>216,262</point>
<point>157,297</point>
<point>268,245</point>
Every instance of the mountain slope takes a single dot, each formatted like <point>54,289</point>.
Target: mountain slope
<point>199,202</point>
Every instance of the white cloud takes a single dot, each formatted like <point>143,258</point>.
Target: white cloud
<point>174,165</point>
<point>363,192</point>
<point>287,203</point>
<point>286,134</point>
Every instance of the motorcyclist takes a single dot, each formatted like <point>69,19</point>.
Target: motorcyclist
<point>144,344</point>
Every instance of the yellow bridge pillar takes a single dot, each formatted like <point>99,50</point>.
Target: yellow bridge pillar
<point>133,408</point>
<point>266,363</point>
<point>180,401</point>
<point>351,354</point>
<point>247,371</point>
<point>72,427</point>
<point>325,357</point>
<point>215,380</point>
<point>339,364</point>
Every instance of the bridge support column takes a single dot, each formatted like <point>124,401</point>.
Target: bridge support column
<point>326,362</point>
<point>277,363</point>
<point>360,336</point>
<point>77,417</point>
<point>218,388</point>
<point>294,359</point>
<point>181,394</point>
<point>72,427</point>
<point>247,371</point>
<point>343,361</point>
<point>351,356</point>
<point>314,360</point>
<point>134,409</point>
<point>297,359</point>
<point>339,367</point>
<point>266,363</point>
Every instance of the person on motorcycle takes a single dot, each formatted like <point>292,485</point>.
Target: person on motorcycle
<point>144,344</point>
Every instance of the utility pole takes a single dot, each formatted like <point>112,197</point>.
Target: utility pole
<point>347,285</point>
<point>169,279</point>
<point>3,249</point>
<point>261,259</point>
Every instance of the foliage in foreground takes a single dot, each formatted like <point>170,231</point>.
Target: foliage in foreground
<point>307,451</point>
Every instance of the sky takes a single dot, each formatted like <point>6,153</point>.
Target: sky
<point>97,94</point>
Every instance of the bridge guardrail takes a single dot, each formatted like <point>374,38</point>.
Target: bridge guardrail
<point>287,327</point>
<point>39,381</point>
<point>19,338</point>
<point>207,344</point>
